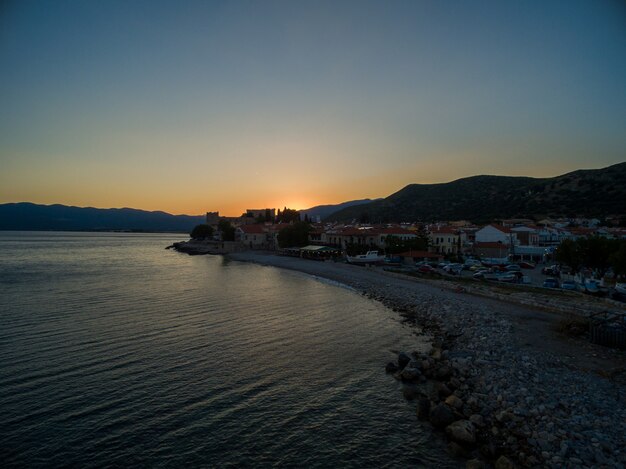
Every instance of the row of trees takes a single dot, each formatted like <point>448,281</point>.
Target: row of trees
<point>594,253</point>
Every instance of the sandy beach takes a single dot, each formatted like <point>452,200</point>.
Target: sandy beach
<point>525,393</point>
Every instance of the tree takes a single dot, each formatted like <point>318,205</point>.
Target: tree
<point>201,232</point>
<point>595,253</point>
<point>227,230</point>
<point>395,245</point>
<point>289,215</point>
<point>296,235</point>
<point>618,260</point>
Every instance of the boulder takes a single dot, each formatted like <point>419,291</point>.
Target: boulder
<point>443,373</point>
<point>454,401</point>
<point>477,420</point>
<point>410,374</point>
<point>442,390</point>
<point>410,393</point>
<point>423,408</point>
<point>504,463</point>
<point>474,464</point>
<point>441,416</point>
<point>391,367</point>
<point>462,431</point>
<point>457,450</point>
<point>403,359</point>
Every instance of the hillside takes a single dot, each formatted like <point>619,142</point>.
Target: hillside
<point>324,211</point>
<point>27,216</point>
<point>598,193</point>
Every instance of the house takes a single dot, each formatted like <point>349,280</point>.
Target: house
<point>526,235</point>
<point>397,232</point>
<point>253,236</point>
<point>496,234</point>
<point>445,240</point>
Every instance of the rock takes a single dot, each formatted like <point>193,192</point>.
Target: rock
<point>456,450</point>
<point>443,373</point>
<point>462,431</point>
<point>423,408</point>
<point>442,390</point>
<point>504,463</point>
<point>403,359</point>
<point>441,416</point>
<point>410,393</point>
<point>477,420</point>
<point>454,401</point>
<point>410,374</point>
<point>474,464</point>
<point>391,367</point>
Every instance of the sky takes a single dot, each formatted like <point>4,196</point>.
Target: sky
<point>190,107</point>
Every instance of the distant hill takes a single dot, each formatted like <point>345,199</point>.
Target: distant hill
<point>27,216</point>
<point>597,193</point>
<point>324,211</point>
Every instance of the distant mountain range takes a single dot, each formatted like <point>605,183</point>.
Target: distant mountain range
<point>586,193</point>
<point>324,211</point>
<point>27,216</point>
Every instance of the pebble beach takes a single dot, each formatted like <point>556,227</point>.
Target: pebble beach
<point>501,385</point>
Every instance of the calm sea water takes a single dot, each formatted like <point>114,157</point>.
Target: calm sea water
<point>116,352</point>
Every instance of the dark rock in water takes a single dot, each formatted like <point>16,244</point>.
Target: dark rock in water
<point>423,408</point>
<point>462,431</point>
<point>410,392</point>
<point>403,359</point>
<point>391,367</point>
<point>441,416</point>
<point>410,374</point>
<point>456,450</point>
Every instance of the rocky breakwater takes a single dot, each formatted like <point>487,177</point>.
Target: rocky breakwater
<point>195,247</point>
<point>494,419</point>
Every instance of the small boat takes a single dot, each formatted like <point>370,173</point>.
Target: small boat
<point>371,257</point>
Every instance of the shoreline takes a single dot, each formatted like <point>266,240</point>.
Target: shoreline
<point>510,389</point>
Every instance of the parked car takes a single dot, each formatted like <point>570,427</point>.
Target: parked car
<point>425,269</point>
<point>551,283</point>
<point>453,269</point>
<point>552,270</point>
<point>476,268</point>
<point>526,265</point>
<point>569,285</point>
<point>513,268</point>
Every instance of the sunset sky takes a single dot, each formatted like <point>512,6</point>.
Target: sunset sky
<point>222,105</point>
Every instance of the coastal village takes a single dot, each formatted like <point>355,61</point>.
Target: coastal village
<point>502,250</point>
<point>521,373</point>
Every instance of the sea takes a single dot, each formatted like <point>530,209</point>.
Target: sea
<point>115,352</point>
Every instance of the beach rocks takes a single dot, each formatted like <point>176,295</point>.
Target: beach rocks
<point>441,416</point>
<point>391,367</point>
<point>403,359</point>
<point>525,392</point>
<point>423,408</point>
<point>410,374</point>
<point>504,463</point>
<point>454,402</point>
<point>462,431</point>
